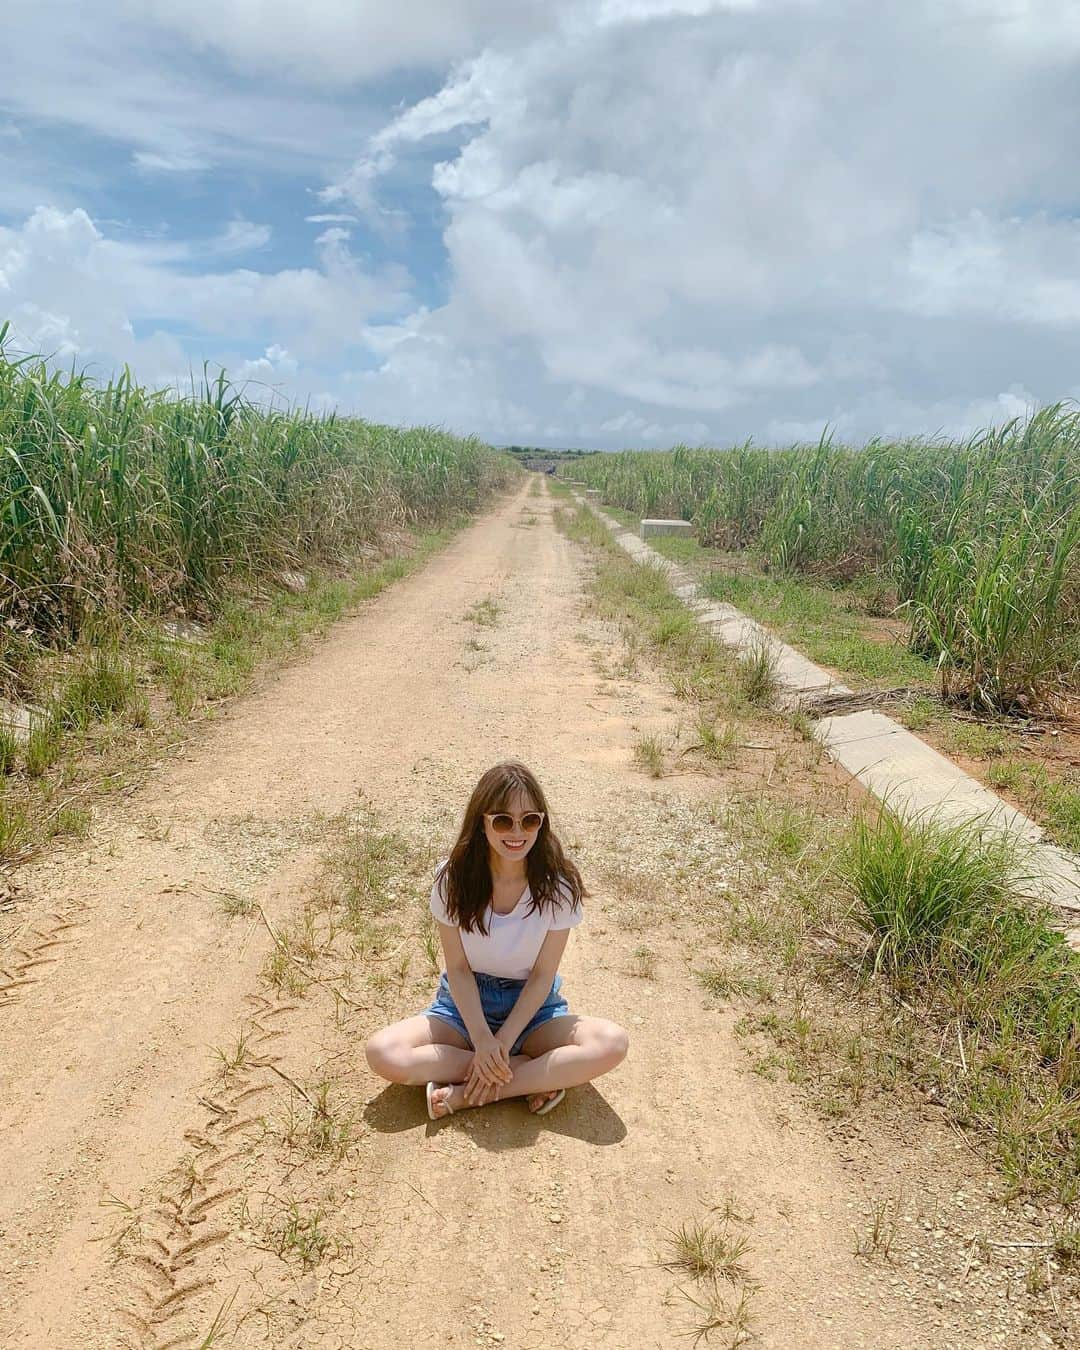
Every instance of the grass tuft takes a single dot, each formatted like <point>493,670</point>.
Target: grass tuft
<point>920,885</point>
<point>649,755</point>
<point>701,1249</point>
<point>484,613</point>
<point>758,680</point>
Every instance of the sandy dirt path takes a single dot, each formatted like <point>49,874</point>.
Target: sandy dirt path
<point>494,1229</point>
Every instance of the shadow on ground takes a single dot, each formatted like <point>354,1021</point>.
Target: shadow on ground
<point>584,1115</point>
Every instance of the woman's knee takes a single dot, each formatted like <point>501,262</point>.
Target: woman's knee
<point>610,1042</point>
<point>383,1054</point>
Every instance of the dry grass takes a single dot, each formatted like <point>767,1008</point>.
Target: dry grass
<point>710,1253</point>
<point>649,755</point>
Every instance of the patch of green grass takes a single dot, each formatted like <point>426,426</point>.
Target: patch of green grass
<point>951,935</point>
<point>236,1057</point>
<point>813,620</point>
<point>643,963</point>
<point>1061,803</point>
<point>70,820</point>
<point>580,523</point>
<point>330,1130</point>
<point>1056,803</point>
<point>15,826</point>
<point>629,519</point>
<point>757,679</point>
<point>916,882</point>
<point>724,981</point>
<point>101,684</point>
<point>45,743</point>
<point>484,613</point>
<point>718,740</point>
<point>429,941</point>
<point>977,740</point>
<point>236,906</point>
<point>362,864</point>
<point>649,755</point>
<point>10,749</point>
<point>783,830</point>
<point>924,712</point>
<point>300,1234</point>
<point>680,548</point>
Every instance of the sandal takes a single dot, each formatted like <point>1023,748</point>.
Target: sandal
<point>430,1107</point>
<point>550,1104</point>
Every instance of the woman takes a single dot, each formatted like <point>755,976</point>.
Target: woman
<point>505,901</point>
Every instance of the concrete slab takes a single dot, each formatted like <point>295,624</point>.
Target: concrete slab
<point>653,527</point>
<point>913,778</point>
<point>17,719</point>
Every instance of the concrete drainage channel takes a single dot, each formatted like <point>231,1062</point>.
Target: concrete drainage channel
<point>891,762</point>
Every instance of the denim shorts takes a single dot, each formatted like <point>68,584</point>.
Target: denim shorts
<point>497,998</point>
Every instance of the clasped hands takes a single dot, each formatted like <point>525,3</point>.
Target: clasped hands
<point>489,1072</point>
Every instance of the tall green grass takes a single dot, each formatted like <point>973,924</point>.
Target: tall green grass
<point>960,946</point>
<point>979,537</point>
<point>115,498</point>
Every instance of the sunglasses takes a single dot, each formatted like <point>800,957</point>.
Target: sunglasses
<point>502,822</point>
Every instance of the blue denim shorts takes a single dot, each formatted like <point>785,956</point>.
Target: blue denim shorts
<point>497,998</point>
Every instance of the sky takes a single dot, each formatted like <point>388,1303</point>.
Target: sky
<point>596,223</point>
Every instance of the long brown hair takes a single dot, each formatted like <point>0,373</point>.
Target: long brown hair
<point>466,875</point>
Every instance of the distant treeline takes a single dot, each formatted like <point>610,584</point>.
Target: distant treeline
<point>540,452</point>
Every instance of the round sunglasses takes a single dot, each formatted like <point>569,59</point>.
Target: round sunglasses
<point>502,822</point>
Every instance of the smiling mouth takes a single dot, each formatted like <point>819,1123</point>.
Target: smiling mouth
<point>514,843</point>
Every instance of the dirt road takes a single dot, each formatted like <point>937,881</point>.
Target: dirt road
<point>491,1229</point>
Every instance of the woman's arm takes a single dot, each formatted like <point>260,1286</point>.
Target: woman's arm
<point>459,976</point>
<point>536,988</point>
<point>491,1063</point>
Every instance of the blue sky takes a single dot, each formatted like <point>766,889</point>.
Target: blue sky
<point>578,222</point>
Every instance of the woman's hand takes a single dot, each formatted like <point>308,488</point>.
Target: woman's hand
<point>489,1070</point>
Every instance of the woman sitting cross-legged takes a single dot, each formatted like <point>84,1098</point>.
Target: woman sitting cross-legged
<point>505,901</point>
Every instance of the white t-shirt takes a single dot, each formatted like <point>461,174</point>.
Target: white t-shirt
<point>513,940</point>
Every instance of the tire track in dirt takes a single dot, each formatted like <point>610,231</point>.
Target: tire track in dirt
<point>496,1229</point>
<point>40,946</point>
<point>175,1233</point>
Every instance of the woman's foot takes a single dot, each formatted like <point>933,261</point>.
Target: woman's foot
<point>444,1102</point>
<point>450,1097</point>
<point>538,1099</point>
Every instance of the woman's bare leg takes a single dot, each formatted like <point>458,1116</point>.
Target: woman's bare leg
<point>581,1049</point>
<point>419,1050</point>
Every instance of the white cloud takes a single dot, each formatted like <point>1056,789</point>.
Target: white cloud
<point>342,41</point>
<point>72,291</point>
<point>731,207</point>
<point>639,11</point>
<point>146,82</point>
<point>272,370</point>
<point>242,236</point>
<point>1021,269</point>
<point>150,161</point>
<point>662,219</point>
